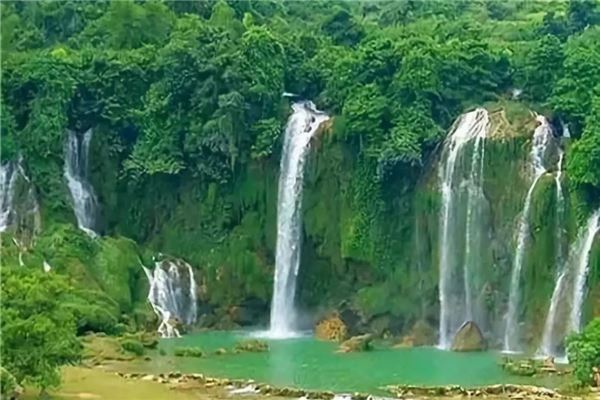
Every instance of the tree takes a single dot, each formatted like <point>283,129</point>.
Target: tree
<point>584,161</point>
<point>583,350</point>
<point>38,333</point>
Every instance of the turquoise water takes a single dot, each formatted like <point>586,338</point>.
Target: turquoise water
<point>312,364</point>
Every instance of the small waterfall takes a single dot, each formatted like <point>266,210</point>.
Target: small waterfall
<point>84,199</point>
<point>548,347</point>
<point>541,141</point>
<point>454,308</point>
<point>19,208</point>
<point>172,295</point>
<point>582,250</point>
<point>301,126</point>
<point>8,179</point>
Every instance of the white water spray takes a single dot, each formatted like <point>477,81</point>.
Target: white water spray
<point>302,125</point>
<point>471,127</point>
<point>584,248</point>
<point>8,179</point>
<point>548,346</point>
<point>541,139</point>
<point>85,204</point>
<point>172,295</point>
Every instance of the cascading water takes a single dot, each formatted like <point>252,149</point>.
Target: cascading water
<point>584,247</point>
<point>456,308</point>
<point>301,126</point>
<point>548,346</point>
<point>541,141</point>
<point>172,295</point>
<point>84,199</point>
<point>8,179</point>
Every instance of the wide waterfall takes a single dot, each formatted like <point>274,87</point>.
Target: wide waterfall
<point>302,125</point>
<point>583,250</point>
<point>172,295</point>
<point>84,199</point>
<point>456,295</point>
<point>541,141</point>
<point>548,346</point>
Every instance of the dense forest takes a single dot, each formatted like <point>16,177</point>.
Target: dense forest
<point>185,99</point>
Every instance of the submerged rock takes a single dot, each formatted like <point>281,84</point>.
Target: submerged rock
<point>357,343</point>
<point>331,328</point>
<point>468,338</point>
<point>255,346</point>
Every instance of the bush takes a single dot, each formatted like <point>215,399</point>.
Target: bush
<point>8,384</point>
<point>583,350</point>
<point>188,352</point>
<point>133,346</point>
<point>255,346</point>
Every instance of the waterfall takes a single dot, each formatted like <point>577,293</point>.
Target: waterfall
<point>454,309</point>
<point>172,295</point>
<point>548,347</point>
<point>8,179</point>
<point>301,126</point>
<point>85,204</point>
<point>583,249</point>
<point>541,140</point>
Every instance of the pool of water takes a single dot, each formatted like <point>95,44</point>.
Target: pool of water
<point>313,364</point>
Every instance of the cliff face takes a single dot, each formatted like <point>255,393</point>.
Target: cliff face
<point>370,248</point>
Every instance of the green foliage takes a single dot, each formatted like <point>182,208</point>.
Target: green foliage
<point>38,333</point>
<point>584,163</point>
<point>188,352</point>
<point>8,384</point>
<point>133,346</point>
<point>583,350</point>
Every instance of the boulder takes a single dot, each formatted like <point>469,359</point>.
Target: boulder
<point>357,343</point>
<point>468,338</point>
<point>331,328</point>
<point>421,334</point>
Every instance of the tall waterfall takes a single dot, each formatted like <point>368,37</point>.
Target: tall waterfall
<point>541,141</point>
<point>8,179</point>
<point>548,346</point>
<point>456,298</point>
<point>172,295</point>
<point>583,250</point>
<point>301,126</point>
<point>84,199</point>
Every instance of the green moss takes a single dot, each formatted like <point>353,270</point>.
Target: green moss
<point>188,352</point>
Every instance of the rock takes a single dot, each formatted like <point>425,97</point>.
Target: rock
<point>331,328</point>
<point>357,343</point>
<point>421,334</point>
<point>148,378</point>
<point>468,338</point>
<point>220,351</point>
<point>255,346</point>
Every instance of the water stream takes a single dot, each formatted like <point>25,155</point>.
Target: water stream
<point>302,125</point>
<point>541,141</point>
<point>456,299</point>
<point>85,204</point>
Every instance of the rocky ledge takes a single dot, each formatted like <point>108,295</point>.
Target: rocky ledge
<point>246,386</point>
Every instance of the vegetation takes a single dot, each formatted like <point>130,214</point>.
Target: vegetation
<point>188,352</point>
<point>584,353</point>
<point>38,332</point>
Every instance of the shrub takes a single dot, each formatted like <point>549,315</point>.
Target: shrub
<point>188,352</point>
<point>133,346</point>
<point>255,346</point>
<point>583,350</point>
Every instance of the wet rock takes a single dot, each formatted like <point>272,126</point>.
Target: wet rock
<point>468,338</point>
<point>148,378</point>
<point>357,343</point>
<point>331,328</point>
<point>220,351</point>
